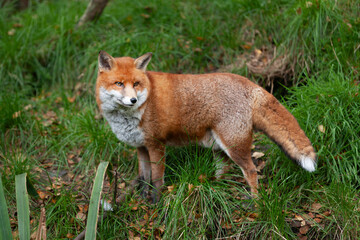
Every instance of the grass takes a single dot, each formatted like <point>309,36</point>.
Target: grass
<point>50,126</point>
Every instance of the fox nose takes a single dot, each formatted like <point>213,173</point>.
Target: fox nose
<point>133,100</point>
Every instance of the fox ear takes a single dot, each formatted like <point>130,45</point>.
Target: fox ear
<point>106,62</point>
<point>142,62</point>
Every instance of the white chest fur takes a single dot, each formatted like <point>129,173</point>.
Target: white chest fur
<point>126,127</point>
<point>123,121</point>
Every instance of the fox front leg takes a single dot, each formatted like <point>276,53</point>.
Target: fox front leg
<point>157,160</point>
<point>144,177</point>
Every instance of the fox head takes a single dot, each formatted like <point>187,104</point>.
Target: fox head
<point>122,83</point>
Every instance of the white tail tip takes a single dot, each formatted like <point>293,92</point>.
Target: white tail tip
<point>307,163</point>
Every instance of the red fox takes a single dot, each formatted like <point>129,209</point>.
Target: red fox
<point>150,110</point>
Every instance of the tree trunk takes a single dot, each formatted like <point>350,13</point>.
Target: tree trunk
<point>93,11</point>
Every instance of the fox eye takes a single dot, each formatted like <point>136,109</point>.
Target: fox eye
<point>120,84</point>
<point>136,84</point>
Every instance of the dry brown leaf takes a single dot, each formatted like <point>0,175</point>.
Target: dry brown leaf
<point>257,52</point>
<point>170,188</point>
<point>327,213</point>
<point>11,32</point>
<point>308,4</point>
<point>16,114</point>
<point>303,237</point>
<point>17,25</point>
<point>83,208</point>
<point>122,185</point>
<point>257,155</point>
<point>202,178</point>
<point>190,187</point>
<point>27,107</point>
<point>146,216</point>
<point>134,208</point>
<point>247,46</point>
<point>70,235</point>
<point>250,219</point>
<point>304,229</point>
<point>226,225</point>
<point>321,128</point>
<point>71,99</point>
<point>80,216</point>
<point>43,195</point>
<point>311,215</point>
<point>145,15</point>
<point>315,207</point>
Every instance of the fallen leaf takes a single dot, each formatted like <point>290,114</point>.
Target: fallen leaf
<point>202,178</point>
<point>257,155</point>
<point>170,188</point>
<point>145,15</point>
<point>317,220</point>
<point>303,237</point>
<point>226,225</point>
<point>17,25</point>
<point>80,216</point>
<point>83,208</point>
<point>16,114</point>
<point>247,46</point>
<point>315,207</point>
<point>27,107</point>
<point>304,229</point>
<point>43,195</point>
<point>190,187</point>
<point>321,128</point>
<point>71,99</point>
<point>250,219</point>
<point>70,235</point>
<point>253,215</point>
<point>327,213</point>
<point>311,215</point>
<point>11,32</point>
<point>257,52</point>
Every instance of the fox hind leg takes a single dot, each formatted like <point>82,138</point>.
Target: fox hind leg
<point>240,153</point>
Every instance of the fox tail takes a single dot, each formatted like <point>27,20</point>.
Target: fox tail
<point>280,126</point>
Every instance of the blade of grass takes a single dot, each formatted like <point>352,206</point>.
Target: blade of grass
<point>94,202</point>
<point>5,230</point>
<point>22,202</point>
